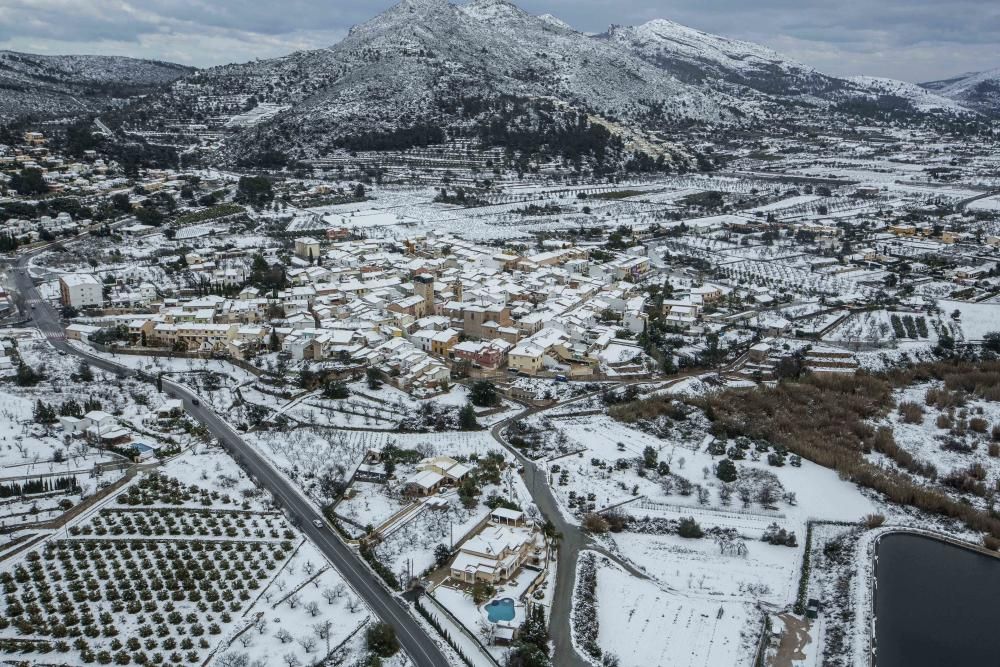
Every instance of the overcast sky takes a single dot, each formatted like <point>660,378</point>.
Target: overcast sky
<point>915,40</point>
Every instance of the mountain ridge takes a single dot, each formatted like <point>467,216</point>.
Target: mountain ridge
<point>976,90</point>
<point>72,84</point>
<point>426,66</point>
<point>400,67</point>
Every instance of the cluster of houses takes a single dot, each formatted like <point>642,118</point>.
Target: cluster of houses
<point>88,177</point>
<point>418,308</point>
<point>413,308</point>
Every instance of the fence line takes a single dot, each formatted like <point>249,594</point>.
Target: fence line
<point>653,505</point>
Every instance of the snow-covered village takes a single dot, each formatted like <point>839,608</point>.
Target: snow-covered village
<point>578,369</point>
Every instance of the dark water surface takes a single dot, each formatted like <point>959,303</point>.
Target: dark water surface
<point>936,604</point>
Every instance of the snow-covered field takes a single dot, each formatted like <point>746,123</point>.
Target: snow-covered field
<point>694,601</point>
<point>987,204</point>
<point>675,628</point>
<point>605,441</point>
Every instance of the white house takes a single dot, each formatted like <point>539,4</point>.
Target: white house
<point>99,421</point>
<point>81,290</point>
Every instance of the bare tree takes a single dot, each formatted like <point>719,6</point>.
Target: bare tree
<point>308,643</point>
<point>353,604</point>
<point>765,496</point>
<point>322,629</point>
<point>291,660</point>
<point>294,600</point>
<point>329,595</point>
<point>246,639</point>
<point>261,625</point>
<point>485,630</point>
<point>312,608</point>
<point>234,660</point>
<point>284,636</point>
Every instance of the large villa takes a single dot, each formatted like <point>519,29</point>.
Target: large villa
<point>503,545</point>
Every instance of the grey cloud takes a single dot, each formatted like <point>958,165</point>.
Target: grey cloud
<point>912,39</point>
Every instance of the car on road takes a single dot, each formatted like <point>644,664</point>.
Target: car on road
<point>317,523</point>
<point>195,401</point>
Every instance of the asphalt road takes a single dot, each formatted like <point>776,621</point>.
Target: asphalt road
<point>393,610</point>
<point>960,206</point>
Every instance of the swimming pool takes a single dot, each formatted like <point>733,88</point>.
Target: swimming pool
<point>500,610</point>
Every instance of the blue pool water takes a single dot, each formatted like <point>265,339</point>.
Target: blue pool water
<point>500,610</point>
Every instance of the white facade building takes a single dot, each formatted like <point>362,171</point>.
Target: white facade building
<point>81,290</point>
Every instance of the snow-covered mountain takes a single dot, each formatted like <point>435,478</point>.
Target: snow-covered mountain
<point>417,61</point>
<point>977,90</point>
<point>56,85</point>
<point>705,59</point>
<point>432,64</point>
<point>921,98</point>
<point>734,66</point>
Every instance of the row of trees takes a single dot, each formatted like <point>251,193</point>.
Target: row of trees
<point>40,485</point>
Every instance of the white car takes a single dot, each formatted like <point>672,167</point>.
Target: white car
<point>317,523</point>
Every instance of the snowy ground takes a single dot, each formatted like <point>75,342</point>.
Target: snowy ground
<point>700,597</point>
<point>950,438</point>
<point>675,628</point>
<point>606,441</point>
<point>31,451</point>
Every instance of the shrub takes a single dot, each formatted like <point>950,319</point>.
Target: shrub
<point>978,425</point>
<point>483,394</point>
<point>381,640</point>
<point>689,528</point>
<point>617,521</point>
<point>595,523</point>
<point>827,419</point>
<point>911,413</point>
<point>726,471</point>
<point>584,620</point>
<point>336,390</point>
<point>649,457</point>
<point>482,591</point>
<point>943,398</point>
<point>778,536</point>
<point>873,520</point>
